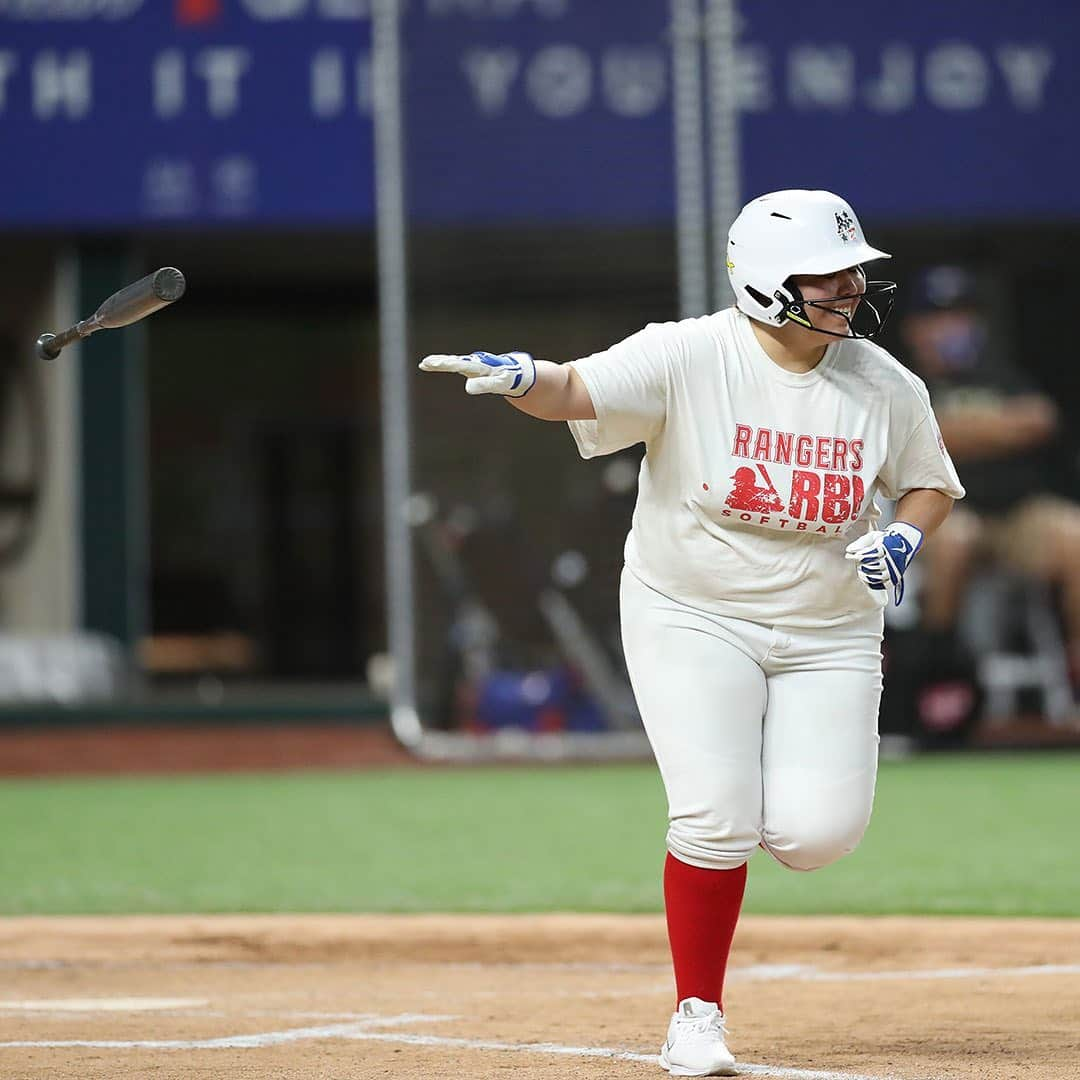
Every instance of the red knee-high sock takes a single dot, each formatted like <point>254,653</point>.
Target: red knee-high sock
<point>702,909</point>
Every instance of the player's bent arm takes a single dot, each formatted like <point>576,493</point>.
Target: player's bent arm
<point>924,508</point>
<point>559,393</point>
<point>882,556</point>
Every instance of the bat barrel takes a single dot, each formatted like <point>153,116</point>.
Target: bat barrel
<point>144,297</point>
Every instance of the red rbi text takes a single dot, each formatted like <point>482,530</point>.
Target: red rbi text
<point>825,490</point>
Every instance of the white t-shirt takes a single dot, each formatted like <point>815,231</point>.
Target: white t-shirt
<point>755,479</point>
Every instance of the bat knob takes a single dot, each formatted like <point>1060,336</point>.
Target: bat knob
<point>45,348</point>
<point>169,284</point>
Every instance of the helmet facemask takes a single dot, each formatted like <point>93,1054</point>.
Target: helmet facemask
<point>875,304</point>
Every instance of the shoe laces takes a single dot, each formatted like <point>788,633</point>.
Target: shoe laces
<point>704,1025</point>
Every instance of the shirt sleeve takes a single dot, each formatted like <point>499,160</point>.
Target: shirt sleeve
<point>628,385</point>
<point>920,459</point>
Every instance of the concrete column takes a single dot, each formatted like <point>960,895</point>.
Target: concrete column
<point>41,593</point>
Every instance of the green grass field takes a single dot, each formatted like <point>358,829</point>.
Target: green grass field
<point>951,834</point>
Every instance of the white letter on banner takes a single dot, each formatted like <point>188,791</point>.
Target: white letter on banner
<point>327,83</point>
<point>821,76</point>
<point>8,63</point>
<point>345,9</point>
<point>169,83</point>
<point>169,188</point>
<point>635,79</point>
<point>894,89</point>
<point>957,76</point>
<point>1025,69</point>
<point>222,68</point>
<point>440,8</point>
<point>551,9</point>
<point>490,72</point>
<point>496,9</point>
<point>68,10</point>
<point>62,84</point>
<point>559,80</point>
<point>275,9</point>
<point>121,9</point>
<point>234,181</point>
<point>753,82</point>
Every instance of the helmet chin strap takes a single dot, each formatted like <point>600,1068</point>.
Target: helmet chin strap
<point>795,309</point>
<point>796,312</point>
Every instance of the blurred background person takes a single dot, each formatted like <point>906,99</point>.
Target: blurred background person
<point>1005,435</point>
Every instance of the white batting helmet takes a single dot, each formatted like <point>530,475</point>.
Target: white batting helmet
<point>785,233</point>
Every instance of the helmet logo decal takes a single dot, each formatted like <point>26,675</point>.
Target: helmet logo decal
<point>846,228</point>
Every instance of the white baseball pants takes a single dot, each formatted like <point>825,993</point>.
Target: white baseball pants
<point>763,734</point>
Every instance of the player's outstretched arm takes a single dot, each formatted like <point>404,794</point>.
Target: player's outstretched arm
<point>536,387</point>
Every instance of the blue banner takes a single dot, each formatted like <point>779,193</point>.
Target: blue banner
<point>119,113</point>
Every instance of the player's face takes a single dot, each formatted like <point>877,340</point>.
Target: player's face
<point>840,292</point>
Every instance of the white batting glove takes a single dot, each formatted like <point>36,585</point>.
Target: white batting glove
<point>882,556</point>
<point>509,374</point>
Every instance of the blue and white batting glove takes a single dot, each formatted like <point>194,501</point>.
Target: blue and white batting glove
<point>509,374</point>
<point>882,556</point>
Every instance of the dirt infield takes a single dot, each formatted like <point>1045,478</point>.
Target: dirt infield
<point>557,997</point>
<point>172,748</point>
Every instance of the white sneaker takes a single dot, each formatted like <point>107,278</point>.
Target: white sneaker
<point>695,1041</point>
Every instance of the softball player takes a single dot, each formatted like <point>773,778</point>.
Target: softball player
<point>756,572</point>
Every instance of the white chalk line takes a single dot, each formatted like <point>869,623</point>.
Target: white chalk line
<point>359,1024</point>
<point>357,1032</point>
<point>227,1042</point>
<point>595,1052</point>
<point>234,1042</point>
